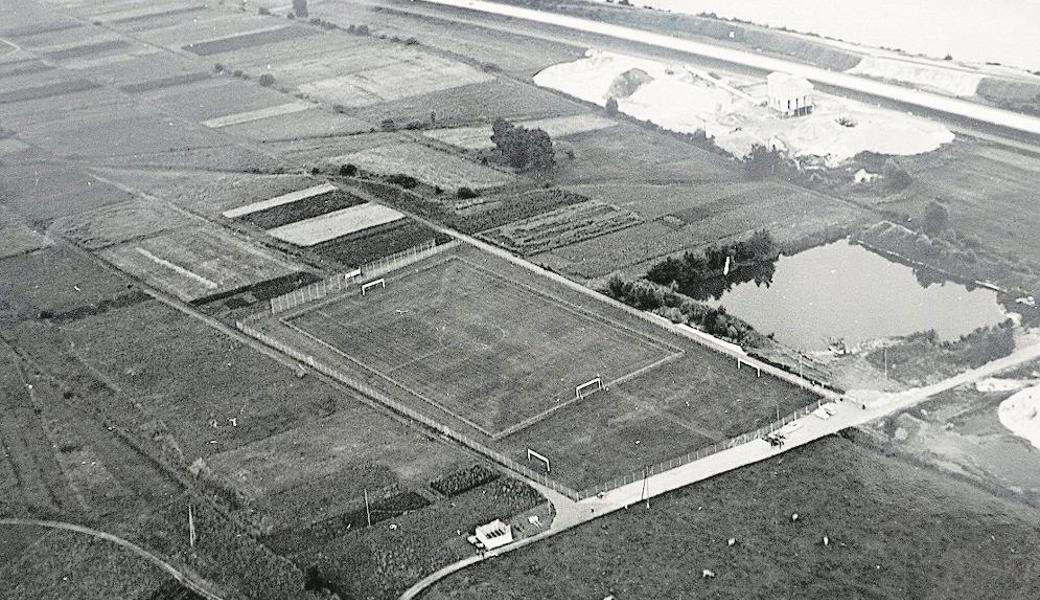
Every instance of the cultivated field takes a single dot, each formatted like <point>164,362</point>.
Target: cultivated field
<point>117,223</point>
<point>407,73</point>
<point>210,193</point>
<point>562,227</point>
<point>325,227</point>
<point>479,138</point>
<point>198,261</point>
<point>427,165</point>
<point>16,239</point>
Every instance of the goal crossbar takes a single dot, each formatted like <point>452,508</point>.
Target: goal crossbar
<point>371,284</point>
<point>595,384</point>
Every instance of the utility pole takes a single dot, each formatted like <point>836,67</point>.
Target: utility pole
<point>368,512</point>
<point>884,353</point>
<point>191,527</point>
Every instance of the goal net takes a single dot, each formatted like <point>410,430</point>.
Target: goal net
<point>381,283</point>
<point>589,387</point>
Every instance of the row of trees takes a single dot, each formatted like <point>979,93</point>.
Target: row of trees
<point>693,267</point>
<point>664,301</point>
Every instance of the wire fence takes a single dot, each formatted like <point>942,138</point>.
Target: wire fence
<point>698,454</point>
<point>342,281</point>
<point>400,408</point>
<point>406,257</point>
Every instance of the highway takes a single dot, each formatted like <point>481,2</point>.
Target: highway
<point>962,109</point>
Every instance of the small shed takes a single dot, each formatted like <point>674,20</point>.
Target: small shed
<point>789,95</point>
<point>494,534</point>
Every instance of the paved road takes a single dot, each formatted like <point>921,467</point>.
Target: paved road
<point>861,85</point>
<point>849,413</point>
<point>182,578</point>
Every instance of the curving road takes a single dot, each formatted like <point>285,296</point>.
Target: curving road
<point>182,578</point>
<point>952,106</point>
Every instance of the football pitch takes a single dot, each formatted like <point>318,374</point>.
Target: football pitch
<point>495,353</point>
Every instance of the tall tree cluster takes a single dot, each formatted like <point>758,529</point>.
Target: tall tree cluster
<point>523,148</point>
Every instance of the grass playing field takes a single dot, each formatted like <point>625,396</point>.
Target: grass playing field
<point>488,350</point>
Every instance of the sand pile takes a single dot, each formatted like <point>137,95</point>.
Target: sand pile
<point>1020,414</point>
<point>679,100</point>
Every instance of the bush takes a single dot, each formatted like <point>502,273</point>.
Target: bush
<point>263,11</point>
<point>464,480</point>
<point>895,176</point>
<point>388,125</point>
<point>219,67</point>
<point>300,8</point>
<point>936,218</point>
<point>347,170</point>
<point>400,179</point>
<point>267,80</point>
<point>612,107</point>
<point>466,193</point>
<point>362,30</point>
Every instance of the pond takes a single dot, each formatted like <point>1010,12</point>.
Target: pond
<point>842,290</point>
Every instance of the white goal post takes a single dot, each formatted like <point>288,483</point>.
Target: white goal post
<point>595,384</point>
<point>371,284</point>
<point>532,454</point>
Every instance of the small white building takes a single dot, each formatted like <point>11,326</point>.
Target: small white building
<point>789,95</point>
<point>493,535</point>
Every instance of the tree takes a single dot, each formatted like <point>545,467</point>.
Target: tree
<point>267,80</point>
<point>300,8</point>
<point>466,193</point>
<point>612,107</point>
<point>347,170</point>
<point>763,161</point>
<point>523,148</point>
<point>936,218</point>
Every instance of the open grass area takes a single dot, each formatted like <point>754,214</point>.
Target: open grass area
<point>506,381</point>
<point>428,165</point>
<point>894,531</point>
<point>61,564</point>
<point>477,345</point>
<point>990,193</point>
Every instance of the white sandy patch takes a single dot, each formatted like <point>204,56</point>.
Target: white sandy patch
<point>479,138</point>
<point>335,224</point>
<point>995,384</point>
<point>303,194</point>
<point>1021,414</point>
<point>256,115</point>
<point>953,81</point>
<point>680,100</point>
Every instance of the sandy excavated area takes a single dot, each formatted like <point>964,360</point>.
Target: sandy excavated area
<point>1021,414</point>
<point>681,100</point>
<point>949,80</point>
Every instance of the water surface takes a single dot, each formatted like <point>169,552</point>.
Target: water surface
<point>844,290</point>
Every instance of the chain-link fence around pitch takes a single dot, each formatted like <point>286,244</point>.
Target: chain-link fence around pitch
<point>400,408</point>
<point>342,281</point>
<point>689,457</point>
